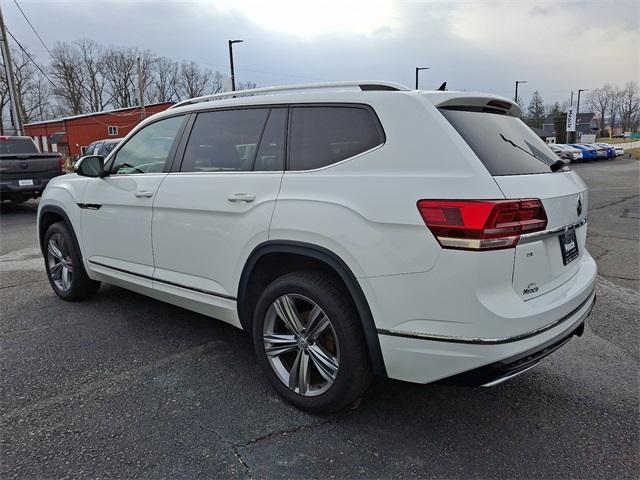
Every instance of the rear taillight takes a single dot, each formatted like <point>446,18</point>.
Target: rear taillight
<point>482,224</point>
<point>61,162</point>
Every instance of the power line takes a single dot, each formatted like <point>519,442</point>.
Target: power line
<point>30,57</point>
<point>32,27</point>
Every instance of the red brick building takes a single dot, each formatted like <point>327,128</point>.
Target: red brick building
<point>71,135</point>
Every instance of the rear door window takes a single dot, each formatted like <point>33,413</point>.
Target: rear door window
<point>224,140</point>
<point>321,136</point>
<point>270,155</point>
<point>504,144</point>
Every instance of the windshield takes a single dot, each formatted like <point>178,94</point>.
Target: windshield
<point>13,145</point>
<point>504,144</point>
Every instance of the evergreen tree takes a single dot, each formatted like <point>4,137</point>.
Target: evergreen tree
<point>535,110</point>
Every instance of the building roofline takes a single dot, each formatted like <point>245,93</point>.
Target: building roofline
<point>94,114</point>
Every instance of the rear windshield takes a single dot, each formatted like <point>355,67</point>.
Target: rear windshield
<point>17,145</point>
<point>504,144</point>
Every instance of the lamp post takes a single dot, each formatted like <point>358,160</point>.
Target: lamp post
<point>417,70</point>
<point>233,78</point>
<point>515,99</point>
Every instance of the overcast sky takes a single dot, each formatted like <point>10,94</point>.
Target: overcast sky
<point>473,45</point>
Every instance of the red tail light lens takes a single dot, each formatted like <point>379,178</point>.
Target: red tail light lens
<point>61,162</point>
<point>482,224</point>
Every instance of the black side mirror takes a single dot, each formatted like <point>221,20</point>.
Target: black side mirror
<point>89,166</point>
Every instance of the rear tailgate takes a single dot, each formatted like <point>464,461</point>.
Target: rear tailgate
<point>17,169</point>
<point>524,167</point>
<point>540,265</point>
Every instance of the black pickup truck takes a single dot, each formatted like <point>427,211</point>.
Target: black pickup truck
<point>24,171</point>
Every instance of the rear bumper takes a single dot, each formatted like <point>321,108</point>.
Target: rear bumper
<point>420,360</point>
<point>497,372</point>
<point>11,187</point>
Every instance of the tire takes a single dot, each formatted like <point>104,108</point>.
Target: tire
<point>336,358</point>
<point>64,266</point>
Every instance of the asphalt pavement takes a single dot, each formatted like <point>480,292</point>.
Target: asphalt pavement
<point>123,386</point>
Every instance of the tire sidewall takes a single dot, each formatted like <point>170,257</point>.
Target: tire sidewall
<point>76,261</point>
<point>334,398</point>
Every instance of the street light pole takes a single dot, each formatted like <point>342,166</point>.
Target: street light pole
<point>417,70</point>
<point>515,99</point>
<point>233,78</point>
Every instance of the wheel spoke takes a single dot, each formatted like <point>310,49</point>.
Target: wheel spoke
<point>56,271</point>
<point>66,277</point>
<point>327,365</point>
<point>54,250</point>
<point>286,310</point>
<point>299,375</point>
<point>317,323</point>
<point>276,344</point>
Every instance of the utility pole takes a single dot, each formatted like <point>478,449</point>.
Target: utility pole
<point>417,70</point>
<point>11,81</point>
<point>233,77</point>
<point>141,90</point>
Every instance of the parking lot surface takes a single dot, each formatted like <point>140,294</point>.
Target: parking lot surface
<point>124,386</point>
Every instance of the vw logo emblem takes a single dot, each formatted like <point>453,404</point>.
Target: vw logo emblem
<point>579,205</point>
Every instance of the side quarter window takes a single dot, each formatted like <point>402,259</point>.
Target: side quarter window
<point>321,136</point>
<point>148,150</point>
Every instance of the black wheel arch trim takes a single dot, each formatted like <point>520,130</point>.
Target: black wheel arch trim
<point>58,211</point>
<point>340,267</point>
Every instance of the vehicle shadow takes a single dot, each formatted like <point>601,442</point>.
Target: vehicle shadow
<point>167,376</point>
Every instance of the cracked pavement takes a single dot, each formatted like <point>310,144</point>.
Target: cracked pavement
<point>123,386</point>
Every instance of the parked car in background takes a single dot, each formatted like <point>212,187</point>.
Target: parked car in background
<point>353,228</point>
<point>588,153</point>
<point>619,150</point>
<point>102,147</point>
<point>602,151</point>
<point>566,153</point>
<point>611,151</point>
<point>24,171</point>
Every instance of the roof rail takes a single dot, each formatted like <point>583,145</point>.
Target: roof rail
<point>364,86</point>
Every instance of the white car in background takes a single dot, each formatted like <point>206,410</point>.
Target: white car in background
<point>619,150</point>
<point>353,228</point>
<point>566,152</point>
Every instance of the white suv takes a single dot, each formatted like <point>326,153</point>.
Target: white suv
<point>353,228</point>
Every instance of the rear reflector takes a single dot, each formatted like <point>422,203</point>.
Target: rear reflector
<point>482,224</point>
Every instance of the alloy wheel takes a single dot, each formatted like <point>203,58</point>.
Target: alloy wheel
<point>59,262</point>
<point>301,344</point>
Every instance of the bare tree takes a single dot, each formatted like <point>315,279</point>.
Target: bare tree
<point>194,81</point>
<point>629,104</point>
<point>69,78</point>
<point>612,109</point>
<point>164,82</point>
<point>120,66</point>
<point>598,101</point>
<point>91,57</point>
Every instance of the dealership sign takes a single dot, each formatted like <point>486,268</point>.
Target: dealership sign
<point>571,119</point>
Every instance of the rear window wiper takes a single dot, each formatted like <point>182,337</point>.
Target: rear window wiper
<point>555,166</point>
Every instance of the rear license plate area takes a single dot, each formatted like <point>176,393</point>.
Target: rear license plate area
<point>569,246</point>
<point>25,183</point>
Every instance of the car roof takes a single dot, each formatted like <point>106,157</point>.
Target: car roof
<point>364,91</point>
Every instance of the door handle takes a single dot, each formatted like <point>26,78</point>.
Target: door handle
<point>241,197</point>
<point>144,194</point>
